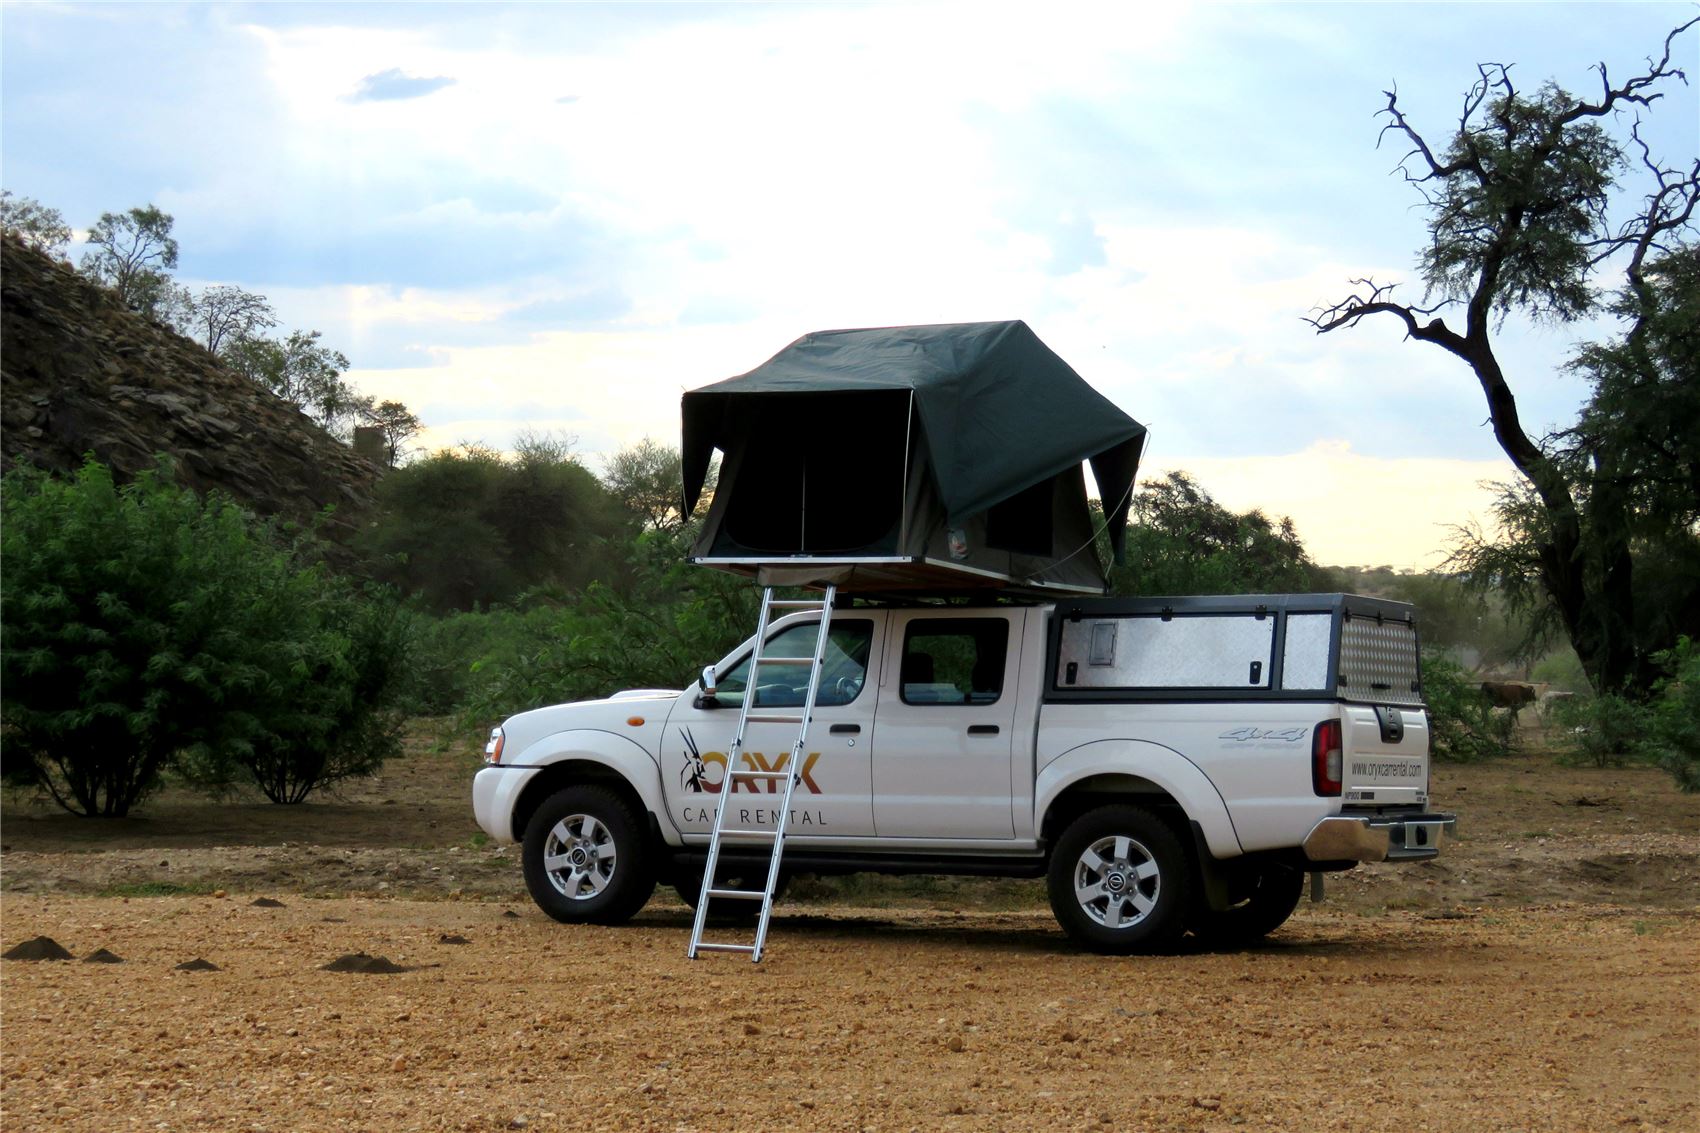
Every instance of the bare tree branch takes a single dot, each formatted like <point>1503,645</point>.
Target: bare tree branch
<point>1631,90</point>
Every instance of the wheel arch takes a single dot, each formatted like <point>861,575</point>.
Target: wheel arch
<point>1145,774</point>
<point>570,758</point>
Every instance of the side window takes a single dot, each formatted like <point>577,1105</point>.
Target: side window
<point>1146,651</point>
<point>843,672</point>
<point>954,661</point>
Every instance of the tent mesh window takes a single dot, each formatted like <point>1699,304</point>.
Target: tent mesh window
<point>830,470</point>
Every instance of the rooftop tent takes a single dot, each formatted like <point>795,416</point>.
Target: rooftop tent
<point>910,459</point>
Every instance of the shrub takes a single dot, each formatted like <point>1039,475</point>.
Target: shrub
<point>325,716</point>
<point>146,628</point>
<point>1463,725</point>
<point>655,627</point>
<point>1605,731</point>
<point>448,657</point>
<point>465,529</point>
<point>1675,715</point>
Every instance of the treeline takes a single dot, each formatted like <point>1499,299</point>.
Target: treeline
<point>133,253</point>
<point>150,634</point>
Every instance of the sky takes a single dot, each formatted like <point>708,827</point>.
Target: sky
<point>557,218</point>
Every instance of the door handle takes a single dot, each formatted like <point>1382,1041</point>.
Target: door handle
<point>846,730</point>
<point>982,729</point>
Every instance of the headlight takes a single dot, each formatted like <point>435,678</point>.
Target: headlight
<point>493,749</point>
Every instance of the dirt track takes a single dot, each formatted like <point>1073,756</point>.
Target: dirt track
<point>1458,995</point>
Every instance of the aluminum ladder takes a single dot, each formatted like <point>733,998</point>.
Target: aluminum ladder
<point>789,773</point>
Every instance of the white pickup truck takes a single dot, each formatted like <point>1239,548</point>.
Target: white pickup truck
<point>1169,765</point>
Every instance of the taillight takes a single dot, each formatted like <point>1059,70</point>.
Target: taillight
<point>1325,758</point>
<point>493,749</point>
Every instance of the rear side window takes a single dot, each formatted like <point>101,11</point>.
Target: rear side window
<point>1379,662</point>
<point>1182,651</point>
<point>954,661</point>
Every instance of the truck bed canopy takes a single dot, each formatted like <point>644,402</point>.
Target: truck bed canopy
<point>920,458</point>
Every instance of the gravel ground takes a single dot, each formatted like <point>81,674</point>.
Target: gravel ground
<point>1539,976</point>
<point>1563,1018</point>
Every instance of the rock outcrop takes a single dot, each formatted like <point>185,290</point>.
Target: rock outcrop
<point>80,374</point>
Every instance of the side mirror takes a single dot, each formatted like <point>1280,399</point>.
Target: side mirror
<point>705,699</point>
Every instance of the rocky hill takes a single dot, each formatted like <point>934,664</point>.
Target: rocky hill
<point>80,374</point>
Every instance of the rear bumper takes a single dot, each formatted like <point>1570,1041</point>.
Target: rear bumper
<point>1379,838</point>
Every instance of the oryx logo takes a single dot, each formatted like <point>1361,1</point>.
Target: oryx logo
<point>696,776</point>
<point>1280,735</point>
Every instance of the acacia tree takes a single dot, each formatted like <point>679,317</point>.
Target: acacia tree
<point>34,223</point>
<point>1181,541</point>
<point>131,253</point>
<point>647,481</point>
<point>301,371</point>
<point>223,315</point>
<point>1523,219</point>
<point>399,424</point>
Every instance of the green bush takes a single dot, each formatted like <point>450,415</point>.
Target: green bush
<point>656,628</point>
<point>1463,726</point>
<point>144,628</point>
<point>1674,735</point>
<point>465,529</point>
<point>1603,731</point>
<point>451,657</point>
<point>325,716</point>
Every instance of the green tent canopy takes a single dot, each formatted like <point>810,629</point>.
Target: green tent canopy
<point>926,458</point>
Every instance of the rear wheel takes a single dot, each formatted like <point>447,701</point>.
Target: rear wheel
<point>586,858</point>
<point>1273,895</point>
<point>1118,881</point>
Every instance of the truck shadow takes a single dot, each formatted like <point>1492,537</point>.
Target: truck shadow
<point>1015,934</point>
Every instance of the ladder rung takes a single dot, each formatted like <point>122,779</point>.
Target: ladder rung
<point>797,604</point>
<point>761,774</point>
<point>711,946</point>
<point>787,661</point>
<point>764,718</point>
<point>745,894</point>
<point>736,833</point>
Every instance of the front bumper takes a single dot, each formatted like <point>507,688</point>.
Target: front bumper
<point>1379,838</point>
<point>495,792</point>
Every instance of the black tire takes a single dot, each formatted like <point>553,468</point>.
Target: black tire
<point>1273,894</point>
<point>587,858</point>
<point>1119,881</point>
<point>687,883</point>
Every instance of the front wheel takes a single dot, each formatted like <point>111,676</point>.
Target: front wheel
<point>586,858</point>
<point>1268,901</point>
<point>1118,881</point>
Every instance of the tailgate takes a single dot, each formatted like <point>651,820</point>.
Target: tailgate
<point>1385,755</point>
